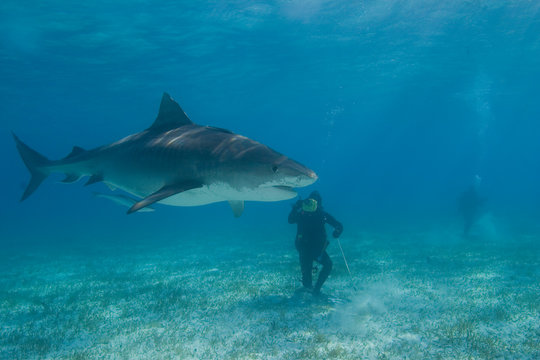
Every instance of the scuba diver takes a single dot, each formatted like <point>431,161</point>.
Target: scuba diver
<point>470,206</point>
<point>311,241</point>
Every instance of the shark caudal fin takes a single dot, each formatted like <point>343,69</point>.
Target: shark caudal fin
<point>34,161</point>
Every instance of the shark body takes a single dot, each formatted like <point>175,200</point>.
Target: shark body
<point>177,162</point>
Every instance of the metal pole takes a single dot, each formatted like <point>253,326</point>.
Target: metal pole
<point>346,264</point>
<point>343,254</point>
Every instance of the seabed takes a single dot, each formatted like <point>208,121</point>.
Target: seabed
<point>411,296</point>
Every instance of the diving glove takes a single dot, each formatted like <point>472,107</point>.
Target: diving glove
<point>298,204</point>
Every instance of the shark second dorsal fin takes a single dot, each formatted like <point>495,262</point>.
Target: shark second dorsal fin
<point>77,150</point>
<point>170,114</point>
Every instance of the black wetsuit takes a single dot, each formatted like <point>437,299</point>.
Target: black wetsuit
<point>311,242</point>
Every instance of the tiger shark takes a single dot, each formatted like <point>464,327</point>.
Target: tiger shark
<point>177,162</point>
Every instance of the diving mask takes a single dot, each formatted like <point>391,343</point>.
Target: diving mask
<point>309,205</point>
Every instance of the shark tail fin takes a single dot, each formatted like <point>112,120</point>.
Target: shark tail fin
<point>35,162</point>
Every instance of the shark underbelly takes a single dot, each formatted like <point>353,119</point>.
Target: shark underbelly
<point>223,192</point>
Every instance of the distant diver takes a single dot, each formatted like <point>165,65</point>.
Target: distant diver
<point>311,241</point>
<point>470,206</point>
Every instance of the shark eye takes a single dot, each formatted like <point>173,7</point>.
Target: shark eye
<point>274,169</point>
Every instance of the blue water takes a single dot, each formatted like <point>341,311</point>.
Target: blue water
<point>397,105</point>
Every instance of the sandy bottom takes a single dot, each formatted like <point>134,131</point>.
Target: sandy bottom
<point>413,296</point>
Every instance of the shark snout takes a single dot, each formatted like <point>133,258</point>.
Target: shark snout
<point>297,175</point>
<point>307,179</point>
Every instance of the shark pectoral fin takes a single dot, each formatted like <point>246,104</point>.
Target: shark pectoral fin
<point>165,192</point>
<point>237,207</point>
<point>122,200</point>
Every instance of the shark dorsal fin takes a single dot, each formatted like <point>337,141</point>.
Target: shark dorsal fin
<point>170,114</point>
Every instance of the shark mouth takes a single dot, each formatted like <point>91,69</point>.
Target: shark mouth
<point>284,188</point>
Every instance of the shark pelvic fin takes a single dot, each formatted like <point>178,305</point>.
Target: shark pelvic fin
<point>165,192</point>
<point>237,207</point>
<point>71,178</point>
<point>94,179</point>
<point>170,114</point>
